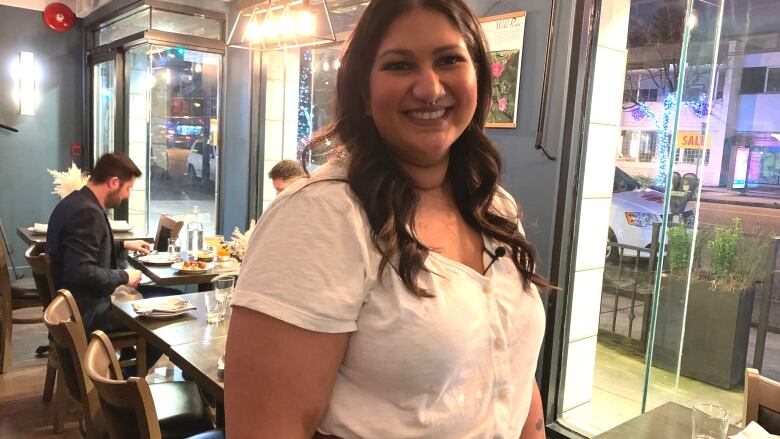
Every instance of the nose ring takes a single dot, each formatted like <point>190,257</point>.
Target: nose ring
<point>433,102</point>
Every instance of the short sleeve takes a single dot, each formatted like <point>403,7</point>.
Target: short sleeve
<point>306,263</point>
<point>504,203</point>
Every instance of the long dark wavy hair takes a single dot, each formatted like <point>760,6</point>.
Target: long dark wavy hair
<point>387,195</point>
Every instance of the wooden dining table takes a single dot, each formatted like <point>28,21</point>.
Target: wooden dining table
<point>670,420</point>
<point>165,275</point>
<point>189,341</point>
<point>29,237</point>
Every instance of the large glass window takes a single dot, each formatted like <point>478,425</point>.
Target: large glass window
<point>672,313</point>
<point>104,107</point>
<point>753,79</point>
<point>133,23</point>
<point>173,118</point>
<point>146,17</point>
<point>773,80</point>
<point>195,25</point>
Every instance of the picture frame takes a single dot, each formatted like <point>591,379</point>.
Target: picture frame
<point>504,34</point>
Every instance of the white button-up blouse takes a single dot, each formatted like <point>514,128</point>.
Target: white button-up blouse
<point>458,365</point>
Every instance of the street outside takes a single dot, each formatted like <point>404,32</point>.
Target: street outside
<point>754,219</point>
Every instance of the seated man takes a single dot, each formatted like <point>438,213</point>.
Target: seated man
<point>284,173</point>
<point>82,247</point>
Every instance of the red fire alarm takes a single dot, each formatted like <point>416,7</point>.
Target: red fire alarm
<point>75,150</point>
<point>58,17</point>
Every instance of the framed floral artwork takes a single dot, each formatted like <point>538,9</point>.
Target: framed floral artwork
<point>504,35</point>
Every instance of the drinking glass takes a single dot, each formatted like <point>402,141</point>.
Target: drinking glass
<point>223,285</point>
<point>174,250</point>
<point>223,251</point>
<point>216,305</point>
<point>214,240</point>
<point>710,421</point>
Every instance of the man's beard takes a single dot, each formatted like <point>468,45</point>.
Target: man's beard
<point>113,199</point>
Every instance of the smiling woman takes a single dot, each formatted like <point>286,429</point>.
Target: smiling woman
<point>429,89</point>
<point>413,287</point>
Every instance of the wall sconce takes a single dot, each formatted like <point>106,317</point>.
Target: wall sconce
<point>26,76</point>
<point>279,24</point>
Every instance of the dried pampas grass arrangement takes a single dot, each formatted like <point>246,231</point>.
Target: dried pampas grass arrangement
<point>68,181</point>
<point>240,240</point>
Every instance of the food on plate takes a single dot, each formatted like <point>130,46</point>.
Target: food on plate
<point>205,254</point>
<point>193,265</point>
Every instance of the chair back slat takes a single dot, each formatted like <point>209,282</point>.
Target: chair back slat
<point>167,228</point>
<point>8,249</point>
<point>40,264</point>
<point>127,406</point>
<point>66,328</point>
<point>762,392</point>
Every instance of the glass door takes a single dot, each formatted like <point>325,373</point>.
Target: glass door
<point>173,132</point>
<point>103,107</point>
<point>685,345</point>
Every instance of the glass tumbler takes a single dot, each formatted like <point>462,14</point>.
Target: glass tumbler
<point>710,421</point>
<point>174,250</point>
<point>215,306</point>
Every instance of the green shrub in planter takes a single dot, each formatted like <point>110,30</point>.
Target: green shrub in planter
<point>727,264</point>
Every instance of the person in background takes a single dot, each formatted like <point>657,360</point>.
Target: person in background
<point>83,250</point>
<point>284,173</point>
<point>393,294</point>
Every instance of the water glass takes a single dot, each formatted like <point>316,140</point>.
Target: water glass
<point>174,250</point>
<point>224,286</point>
<point>216,306</point>
<point>710,421</point>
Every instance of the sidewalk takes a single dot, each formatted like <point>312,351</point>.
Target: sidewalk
<point>757,197</point>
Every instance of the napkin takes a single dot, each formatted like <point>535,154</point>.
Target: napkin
<point>754,431</point>
<point>168,304</point>
<point>42,228</point>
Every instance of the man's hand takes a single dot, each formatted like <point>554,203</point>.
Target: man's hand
<point>139,246</point>
<point>133,277</point>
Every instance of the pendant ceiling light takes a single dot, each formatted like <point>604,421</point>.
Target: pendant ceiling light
<point>278,24</point>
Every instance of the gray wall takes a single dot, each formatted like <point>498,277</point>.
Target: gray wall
<point>529,176</point>
<point>43,139</point>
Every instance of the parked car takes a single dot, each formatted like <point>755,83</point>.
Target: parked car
<point>634,210</point>
<point>195,160</point>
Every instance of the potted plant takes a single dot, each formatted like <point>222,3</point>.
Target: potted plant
<point>727,267</point>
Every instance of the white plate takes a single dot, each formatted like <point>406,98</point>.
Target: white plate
<point>121,226</point>
<point>158,259</point>
<point>177,266</point>
<point>163,315</point>
<point>36,231</point>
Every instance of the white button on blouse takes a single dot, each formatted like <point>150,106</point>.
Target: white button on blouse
<point>415,367</point>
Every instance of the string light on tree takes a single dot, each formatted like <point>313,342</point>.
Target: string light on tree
<point>640,111</point>
<point>305,122</point>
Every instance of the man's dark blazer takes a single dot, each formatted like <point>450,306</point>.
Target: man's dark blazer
<point>82,249</point>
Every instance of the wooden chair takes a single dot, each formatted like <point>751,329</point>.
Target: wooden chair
<point>167,228</point>
<point>66,328</point>
<point>40,263</point>
<point>9,251</point>
<point>12,297</point>
<point>128,406</point>
<point>63,319</point>
<point>762,401</point>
